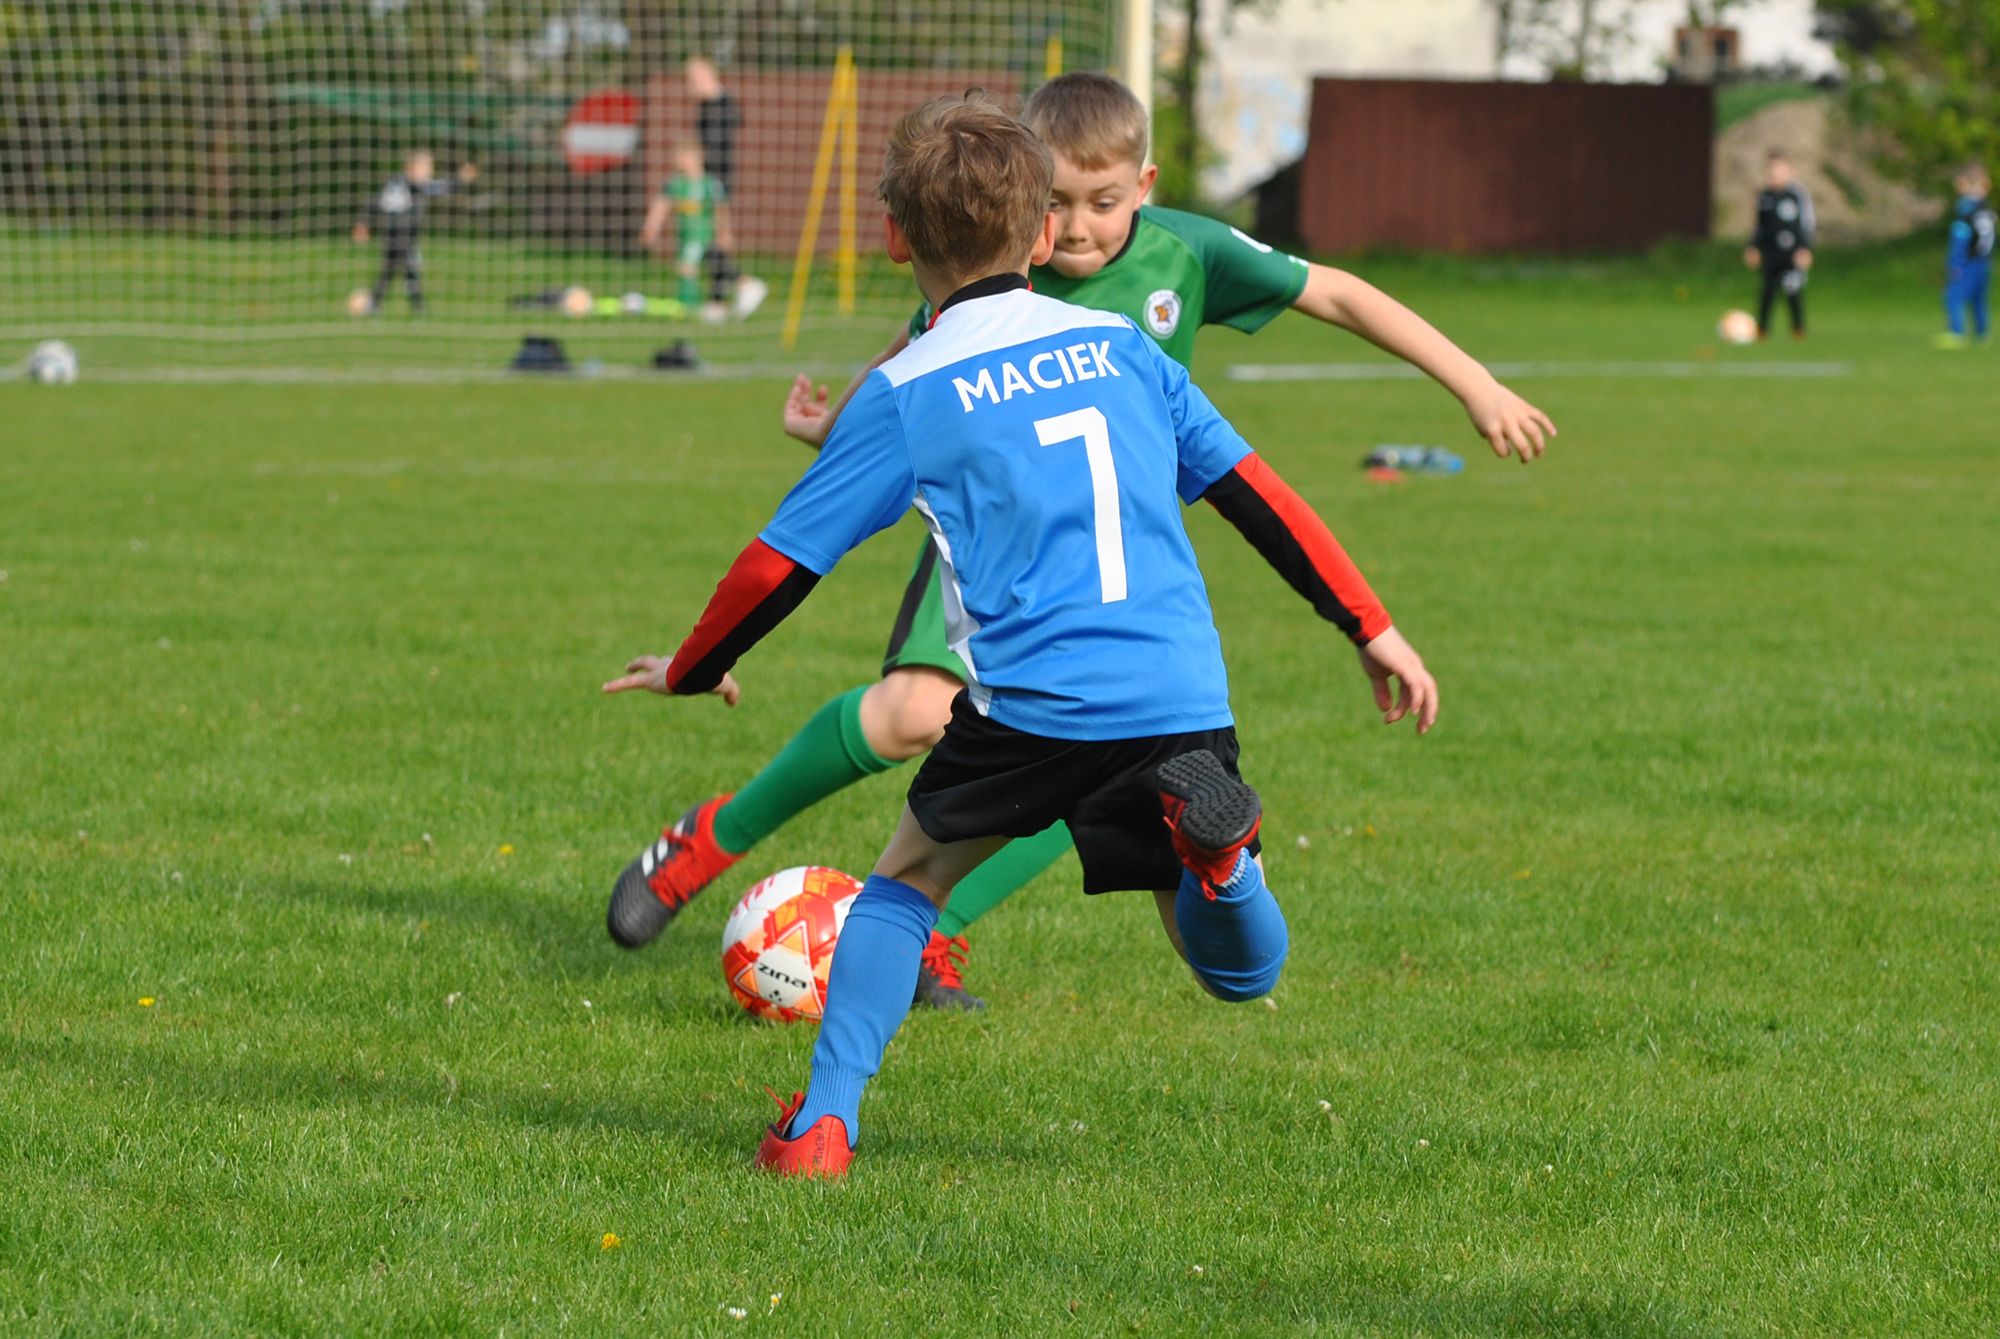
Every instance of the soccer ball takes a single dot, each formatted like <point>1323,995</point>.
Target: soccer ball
<point>1737,327</point>
<point>53,363</point>
<point>633,304</point>
<point>576,301</point>
<point>778,945</point>
<point>360,302</point>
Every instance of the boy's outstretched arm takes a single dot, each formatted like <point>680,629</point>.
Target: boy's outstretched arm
<point>861,484</point>
<point>1217,465</point>
<point>808,416</point>
<point>1508,422</point>
<point>1290,535</point>
<point>761,588</point>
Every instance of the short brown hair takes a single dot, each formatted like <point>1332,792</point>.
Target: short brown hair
<point>967,184</point>
<point>1090,119</point>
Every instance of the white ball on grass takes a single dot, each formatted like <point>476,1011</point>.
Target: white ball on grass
<point>53,363</point>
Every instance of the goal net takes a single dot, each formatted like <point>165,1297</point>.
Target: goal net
<point>403,186</point>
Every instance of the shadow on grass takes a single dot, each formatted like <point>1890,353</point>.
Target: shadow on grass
<point>712,1125</point>
<point>538,934</point>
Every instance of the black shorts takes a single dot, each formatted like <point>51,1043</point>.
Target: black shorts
<point>985,779</point>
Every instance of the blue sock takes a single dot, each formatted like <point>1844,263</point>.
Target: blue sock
<point>868,995</point>
<point>1237,943</point>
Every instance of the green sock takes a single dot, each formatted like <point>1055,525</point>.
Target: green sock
<point>1005,872</point>
<point>828,753</point>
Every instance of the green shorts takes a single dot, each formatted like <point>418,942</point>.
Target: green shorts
<point>919,636</point>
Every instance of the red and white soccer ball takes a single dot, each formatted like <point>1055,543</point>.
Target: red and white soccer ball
<point>1737,327</point>
<point>778,945</point>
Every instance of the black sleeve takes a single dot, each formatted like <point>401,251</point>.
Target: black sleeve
<point>1289,534</point>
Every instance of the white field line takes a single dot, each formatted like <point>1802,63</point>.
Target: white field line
<point>584,373</point>
<point>1670,371</point>
<point>588,371</point>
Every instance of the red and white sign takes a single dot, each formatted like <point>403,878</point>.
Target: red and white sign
<point>602,131</point>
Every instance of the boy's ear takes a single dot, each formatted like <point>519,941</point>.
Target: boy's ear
<point>1045,242</point>
<point>893,241</point>
<point>1149,175</point>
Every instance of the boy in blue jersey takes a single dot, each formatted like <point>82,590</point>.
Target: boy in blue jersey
<point>1968,262</point>
<point>1049,449</point>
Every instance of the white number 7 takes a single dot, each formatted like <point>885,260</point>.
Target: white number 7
<point>1089,424</point>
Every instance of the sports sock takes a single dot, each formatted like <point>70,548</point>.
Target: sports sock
<point>1236,943</point>
<point>829,752</point>
<point>1005,872</point>
<point>868,995</point>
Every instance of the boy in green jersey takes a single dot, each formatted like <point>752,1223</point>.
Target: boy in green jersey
<point>699,208</point>
<point>1172,273</point>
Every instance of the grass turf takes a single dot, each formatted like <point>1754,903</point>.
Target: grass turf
<point>1653,994</point>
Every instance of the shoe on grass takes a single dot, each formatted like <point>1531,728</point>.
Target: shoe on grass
<point>941,976</point>
<point>820,1151</point>
<point>665,876</point>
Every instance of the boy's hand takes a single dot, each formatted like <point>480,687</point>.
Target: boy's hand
<point>650,673</point>
<point>1508,422</point>
<point>468,172</point>
<point>807,416</point>
<point>1803,258</point>
<point>1750,258</point>
<point>1390,657</point>
<point>360,233</point>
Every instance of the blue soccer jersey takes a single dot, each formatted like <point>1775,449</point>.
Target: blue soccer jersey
<point>1049,449</point>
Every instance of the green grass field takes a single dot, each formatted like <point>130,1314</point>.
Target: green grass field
<point>1653,994</point>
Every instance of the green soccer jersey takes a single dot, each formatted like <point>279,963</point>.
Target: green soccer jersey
<point>695,200</point>
<point>1177,273</point>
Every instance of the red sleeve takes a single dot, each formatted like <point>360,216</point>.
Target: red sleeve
<point>1281,526</point>
<point>761,587</point>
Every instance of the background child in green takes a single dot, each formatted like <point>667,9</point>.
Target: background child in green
<point>1171,272</point>
<point>699,208</point>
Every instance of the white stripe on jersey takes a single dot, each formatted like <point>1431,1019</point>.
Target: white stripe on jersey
<point>959,626</point>
<point>987,327</point>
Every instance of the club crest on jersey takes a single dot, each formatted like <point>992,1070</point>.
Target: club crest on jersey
<point>1163,313</point>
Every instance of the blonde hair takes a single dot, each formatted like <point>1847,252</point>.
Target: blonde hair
<point>967,184</point>
<point>1090,119</point>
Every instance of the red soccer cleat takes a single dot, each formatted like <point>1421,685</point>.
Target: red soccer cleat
<point>820,1151</point>
<point>666,876</point>
<point>1212,815</point>
<point>941,975</point>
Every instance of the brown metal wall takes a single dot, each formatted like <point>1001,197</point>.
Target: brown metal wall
<point>1481,167</point>
<point>779,139</point>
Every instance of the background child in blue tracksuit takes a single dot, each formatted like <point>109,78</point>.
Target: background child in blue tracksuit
<point>1968,266</point>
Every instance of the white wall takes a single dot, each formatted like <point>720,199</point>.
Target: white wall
<point>1259,73</point>
<point>1260,69</point>
<point>1774,32</point>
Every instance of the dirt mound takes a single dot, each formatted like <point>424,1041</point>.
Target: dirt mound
<point>1854,201</point>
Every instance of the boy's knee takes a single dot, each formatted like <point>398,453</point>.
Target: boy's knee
<point>905,713</point>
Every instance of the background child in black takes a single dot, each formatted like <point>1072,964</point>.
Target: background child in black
<point>1782,244</point>
<point>398,213</point>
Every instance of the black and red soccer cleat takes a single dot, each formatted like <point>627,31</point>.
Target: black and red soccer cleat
<point>666,876</point>
<point>819,1151</point>
<point>1213,815</point>
<point>941,976</point>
